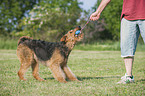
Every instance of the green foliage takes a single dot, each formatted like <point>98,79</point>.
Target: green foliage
<point>111,16</point>
<point>106,46</point>
<point>94,30</point>
<point>99,72</point>
<point>8,43</point>
<point>11,11</point>
<point>100,46</point>
<point>50,19</point>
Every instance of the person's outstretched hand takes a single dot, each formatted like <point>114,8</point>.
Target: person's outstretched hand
<point>94,16</point>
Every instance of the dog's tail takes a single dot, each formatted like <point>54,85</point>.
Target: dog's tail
<point>23,38</point>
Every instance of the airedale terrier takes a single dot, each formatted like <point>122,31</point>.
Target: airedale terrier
<point>52,54</point>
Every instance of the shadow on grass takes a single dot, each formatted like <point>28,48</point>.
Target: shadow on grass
<point>142,80</point>
<point>50,78</point>
<point>88,78</point>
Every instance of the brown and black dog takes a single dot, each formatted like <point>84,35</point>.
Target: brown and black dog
<point>53,54</point>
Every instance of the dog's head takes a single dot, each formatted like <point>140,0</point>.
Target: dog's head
<point>71,36</point>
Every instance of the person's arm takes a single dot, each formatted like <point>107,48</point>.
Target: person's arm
<point>95,16</point>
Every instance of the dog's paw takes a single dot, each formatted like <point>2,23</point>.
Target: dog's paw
<point>63,81</point>
<point>23,79</point>
<point>79,81</point>
<point>40,79</point>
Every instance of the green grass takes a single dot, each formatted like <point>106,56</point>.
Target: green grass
<point>8,43</point>
<point>97,46</point>
<point>106,46</point>
<point>99,72</point>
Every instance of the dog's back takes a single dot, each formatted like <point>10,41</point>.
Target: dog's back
<point>43,49</point>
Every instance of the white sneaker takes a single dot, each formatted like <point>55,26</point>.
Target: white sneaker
<point>126,79</point>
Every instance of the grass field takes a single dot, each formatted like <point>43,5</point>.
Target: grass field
<point>96,46</point>
<point>99,72</point>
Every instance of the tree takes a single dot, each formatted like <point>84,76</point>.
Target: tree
<point>50,19</point>
<point>11,11</point>
<point>111,16</point>
<point>94,30</point>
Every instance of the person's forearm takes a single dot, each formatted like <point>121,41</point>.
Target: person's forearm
<point>102,5</point>
<point>96,15</point>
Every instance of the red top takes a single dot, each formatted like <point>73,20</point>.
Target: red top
<point>133,9</point>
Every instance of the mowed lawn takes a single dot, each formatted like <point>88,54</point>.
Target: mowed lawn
<point>99,72</point>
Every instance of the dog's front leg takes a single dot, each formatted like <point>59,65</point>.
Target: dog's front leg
<point>69,73</point>
<point>58,73</point>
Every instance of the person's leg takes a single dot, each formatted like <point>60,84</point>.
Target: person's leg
<point>129,60</point>
<point>129,38</point>
<point>128,65</point>
<point>141,24</point>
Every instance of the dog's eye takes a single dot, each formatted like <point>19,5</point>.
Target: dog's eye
<point>70,32</point>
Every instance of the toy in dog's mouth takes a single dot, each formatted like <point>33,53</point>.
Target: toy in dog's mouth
<point>77,32</point>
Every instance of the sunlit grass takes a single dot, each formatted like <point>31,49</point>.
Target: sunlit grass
<point>97,46</point>
<point>8,43</point>
<point>99,72</point>
<point>106,46</point>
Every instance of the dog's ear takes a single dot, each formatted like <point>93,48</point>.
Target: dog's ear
<point>63,39</point>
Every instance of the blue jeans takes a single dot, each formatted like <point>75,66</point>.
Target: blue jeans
<point>130,31</point>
